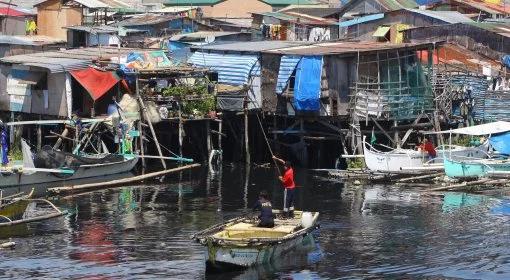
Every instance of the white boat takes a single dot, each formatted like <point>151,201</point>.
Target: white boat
<point>240,243</point>
<point>398,160</point>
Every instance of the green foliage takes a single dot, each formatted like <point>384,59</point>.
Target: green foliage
<point>195,99</point>
<point>15,153</point>
<point>355,163</point>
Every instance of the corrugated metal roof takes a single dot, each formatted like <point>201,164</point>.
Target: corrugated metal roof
<point>347,48</point>
<point>233,69</point>
<point>108,29</point>
<point>174,10</point>
<point>289,2</point>
<point>37,40</point>
<point>312,10</point>
<point>66,60</point>
<point>491,8</point>
<point>298,18</point>
<point>446,16</point>
<point>287,65</point>
<point>145,19</point>
<point>255,46</point>
<point>191,2</point>
<point>202,35</point>
<point>93,4</point>
<point>387,5</point>
<point>502,28</point>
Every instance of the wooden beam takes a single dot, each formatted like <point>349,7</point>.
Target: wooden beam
<point>383,131</point>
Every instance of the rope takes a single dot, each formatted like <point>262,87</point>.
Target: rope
<point>268,146</point>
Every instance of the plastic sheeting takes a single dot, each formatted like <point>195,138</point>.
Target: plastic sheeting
<point>501,143</point>
<point>96,82</point>
<point>28,160</point>
<point>233,69</point>
<point>307,87</point>
<point>288,64</point>
<point>506,60</point>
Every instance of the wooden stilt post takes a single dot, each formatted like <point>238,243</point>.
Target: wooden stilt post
<point>220,129</point>
<point>142,143</point>
<point>208,140</point>
<point>180,129</point>
<point>39,137</point>
<point>146,116</point>
<point>246,139</point>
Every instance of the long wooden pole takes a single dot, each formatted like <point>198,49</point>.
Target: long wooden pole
<point>146,116</point>
<point>246,138</point>
<point>103,185</point>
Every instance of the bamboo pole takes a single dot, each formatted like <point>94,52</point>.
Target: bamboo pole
<point>208,140</point>
<point>246,139</point>
<point>102,185</point>
<point>472,183</point>
<point>146,116</point>
<point>142,143</point>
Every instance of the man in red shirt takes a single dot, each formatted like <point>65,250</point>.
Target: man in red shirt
<point>429,148</point>
<point>290,187</point>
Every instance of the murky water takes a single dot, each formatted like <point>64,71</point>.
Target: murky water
<point>374,232</point>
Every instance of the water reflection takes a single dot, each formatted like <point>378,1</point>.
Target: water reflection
<point>378,232</point>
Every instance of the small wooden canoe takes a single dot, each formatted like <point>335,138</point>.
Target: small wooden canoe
<point>14,206</point>
<point>240,243</point>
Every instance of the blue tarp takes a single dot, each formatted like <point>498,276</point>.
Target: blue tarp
<point>233,69</point>
<point>307,87</point>
<point>501,143</point>
<point>359,20</point>
<point>506,60</point>
<point>288,64</point>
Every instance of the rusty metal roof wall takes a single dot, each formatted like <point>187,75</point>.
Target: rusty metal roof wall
<point>146,19</point>
<point>346,48</point>
<point>34,40</point>
<point>253,46</point>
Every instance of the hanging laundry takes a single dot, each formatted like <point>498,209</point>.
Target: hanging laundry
<point>283,33</point>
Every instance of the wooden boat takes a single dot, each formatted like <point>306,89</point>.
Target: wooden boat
<point>468,168</point>
<point>13,210</point>
<point>14,206</point>
<point>399,160</point>
<point>240,243</point>
<point>17,175</point>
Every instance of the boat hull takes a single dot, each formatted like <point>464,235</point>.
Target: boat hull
<point>407,159</point>
<point>84,171</point>
<point>473,168</point>
<point>221,257</point>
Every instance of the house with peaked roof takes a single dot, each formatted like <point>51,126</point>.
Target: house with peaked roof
<point>235,8</point>
<point>479,9</point>
<point>389,26</point>
<point>54,15</point>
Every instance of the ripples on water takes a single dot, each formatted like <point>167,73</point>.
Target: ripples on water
<point>367,232</point>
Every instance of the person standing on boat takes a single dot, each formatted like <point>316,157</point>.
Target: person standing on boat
<point>266,210</point>
<point>290,187</point>
<point>4,149</point>
<point>429,148</point>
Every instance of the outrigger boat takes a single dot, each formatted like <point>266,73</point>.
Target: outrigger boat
<point>13,210</point>
<point>240,243</point>
<point>468,167</point>
<point>399,160</point>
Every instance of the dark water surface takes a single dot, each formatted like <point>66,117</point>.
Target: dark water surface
<point>366,232</point>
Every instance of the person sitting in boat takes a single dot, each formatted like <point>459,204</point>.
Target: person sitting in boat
<point>429,148</point>
<point>266,210</point>
<point>290,187</point>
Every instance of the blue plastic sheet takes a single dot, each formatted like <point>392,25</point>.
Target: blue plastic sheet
<point>506,60</point>
<point>501,143</point>
<point>307,86</point>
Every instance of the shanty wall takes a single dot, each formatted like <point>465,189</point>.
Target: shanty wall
<point>57,104</point>
<point>235,9</point>
<point>339,72</point>
<point>479,40</point>
<point>12,26</point>
<point>270,65</point>
<point>52,16</point>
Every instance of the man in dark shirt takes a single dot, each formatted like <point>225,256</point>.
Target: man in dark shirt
<point>266,210</point>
